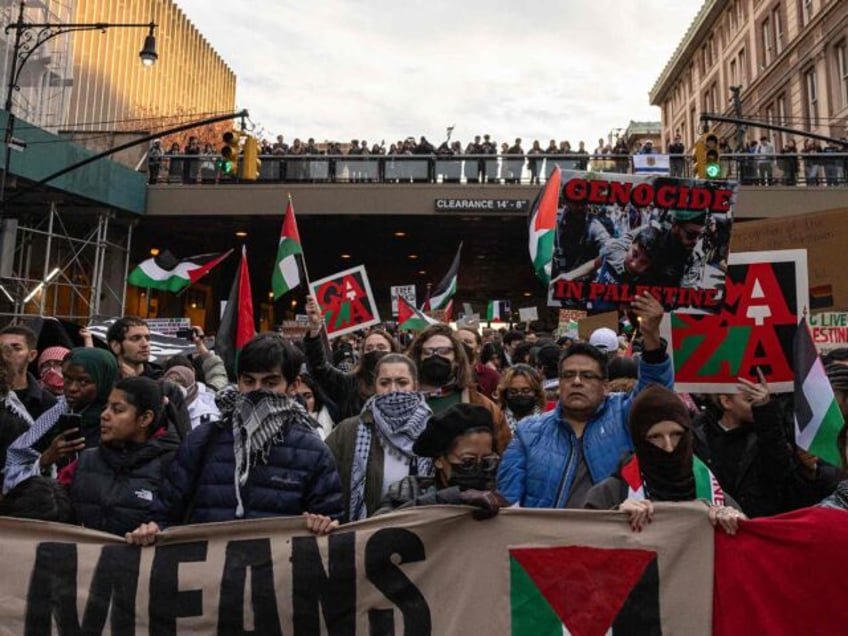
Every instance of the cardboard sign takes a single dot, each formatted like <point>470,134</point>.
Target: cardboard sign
<point>620,235</point>
<point>346,301</point>
<point>408,294</point>
<point>766,296</point>
<point>585,326</point>
<point>829,329</point>
<point>528,314</point>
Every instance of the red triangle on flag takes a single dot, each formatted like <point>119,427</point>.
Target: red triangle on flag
<point>405,310</point>
<point>586,587</point>
<point>202,270</point>
<point>290,224</point>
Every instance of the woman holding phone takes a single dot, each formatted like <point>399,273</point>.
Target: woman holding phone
<point>72,424</point>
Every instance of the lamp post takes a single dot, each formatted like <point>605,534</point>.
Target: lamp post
<point>29,36</point>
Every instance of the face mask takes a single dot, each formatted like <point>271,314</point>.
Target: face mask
<point>370,360</point>
<point>473,477</point>
<point>436,370</point>
<point>52,380</point>
<point>255,397</point>
<point>521,404</point>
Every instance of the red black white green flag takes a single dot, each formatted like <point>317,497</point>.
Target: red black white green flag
<point>169,273</point>
<point>237,323</point>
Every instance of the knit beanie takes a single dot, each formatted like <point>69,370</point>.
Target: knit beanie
<point>656,404</point>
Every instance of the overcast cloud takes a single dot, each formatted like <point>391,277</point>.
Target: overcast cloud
<point>380,70</point>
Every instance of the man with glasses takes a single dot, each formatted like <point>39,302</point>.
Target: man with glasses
<point>554,458</point>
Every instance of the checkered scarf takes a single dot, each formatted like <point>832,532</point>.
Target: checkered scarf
<point>260,420</point>
<point>13,403</point>
<point>399,418</point>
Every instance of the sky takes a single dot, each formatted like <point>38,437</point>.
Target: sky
<point>380,70</point>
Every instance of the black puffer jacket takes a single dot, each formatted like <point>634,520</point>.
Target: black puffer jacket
<point>113,489</point>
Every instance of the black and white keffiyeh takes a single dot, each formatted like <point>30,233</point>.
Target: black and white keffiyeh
<point>260,420</point>
<point>399,418</point>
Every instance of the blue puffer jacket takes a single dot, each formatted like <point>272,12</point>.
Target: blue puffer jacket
<point>299,476</point>
<point>539,465</point>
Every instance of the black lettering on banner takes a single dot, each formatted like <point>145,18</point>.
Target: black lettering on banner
<point>167,601</point>
<point>241,555</point>
<point>52,591</point>
<point>393,583</point>
<point>115,583</point>
<point>312,585</point>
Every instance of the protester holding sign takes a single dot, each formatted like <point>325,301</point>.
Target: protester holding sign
<point>460,443</point>
<point>663,468</point>
<point>349,391</point>
<point>446,377</point>
<point>375,448</point>
<point>112,486</point>
<point>236,468</point>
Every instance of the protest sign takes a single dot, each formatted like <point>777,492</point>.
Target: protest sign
<point>585,326</point>
<point>620,235</point>
<point>346,301</point>
<point>829,330</point>
<point>823,234</point>
<point>162,347</point>
<point>528,314</point>
<point>408,293</point>
<point>168,326</point>
<point>416,572</point>
<point>766,295</point>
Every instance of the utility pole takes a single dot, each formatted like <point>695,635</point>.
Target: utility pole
<point>736,100</point>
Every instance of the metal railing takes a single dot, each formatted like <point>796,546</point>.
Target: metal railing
<point>824,169</point>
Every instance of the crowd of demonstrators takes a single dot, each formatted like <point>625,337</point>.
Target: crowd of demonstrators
<point>464,416</point>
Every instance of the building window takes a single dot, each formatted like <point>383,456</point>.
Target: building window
<point>765,43</point>
<point>743,68</point>
<point>842,71</point>
<point>734,75</point>
<point>777,23</point>
<point>782,114</point>
<point>811,85</point>
<point>805,11</point>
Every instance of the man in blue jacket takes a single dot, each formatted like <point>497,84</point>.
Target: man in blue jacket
<point>262,459</point>
<point>554,458</point>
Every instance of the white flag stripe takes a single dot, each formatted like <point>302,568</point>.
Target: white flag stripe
<point>288,268</point>
<point>815,384</point>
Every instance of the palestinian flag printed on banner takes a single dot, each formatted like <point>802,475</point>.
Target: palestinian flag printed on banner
<point>237,325</point>
<point>498,310</point>
<point>543,227</point>
<point>412,319</point>
<point>445,290</point>
<point>818,419</point>
<point>584,591</point>
<point>168,273</point>
<point>286,269</point>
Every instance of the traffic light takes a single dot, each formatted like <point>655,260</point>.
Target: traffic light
<point>228,163</point>
<point>707,164</point>
<point>250,161</point>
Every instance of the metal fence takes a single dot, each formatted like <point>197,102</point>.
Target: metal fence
<point>825,169</point>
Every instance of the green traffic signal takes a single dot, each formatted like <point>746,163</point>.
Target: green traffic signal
<point>713,171</point>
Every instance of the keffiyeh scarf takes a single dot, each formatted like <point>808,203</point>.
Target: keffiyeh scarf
<point>260,420</point>
<point>399,418</point>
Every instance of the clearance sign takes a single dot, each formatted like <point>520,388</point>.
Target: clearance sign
<point>830,330</point>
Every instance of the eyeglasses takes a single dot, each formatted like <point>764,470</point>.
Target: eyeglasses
<point>572,374</point>
<point>487,464</point>
<point>436,351</point>
<point>520,392</point>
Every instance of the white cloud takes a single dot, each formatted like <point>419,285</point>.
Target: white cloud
<point>375,69</point>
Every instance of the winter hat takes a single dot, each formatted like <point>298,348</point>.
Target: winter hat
<point>442,429</point>
<point>838,375</point>
<point>604,339</point>
<point>52,353</point>
<point>656,404</point>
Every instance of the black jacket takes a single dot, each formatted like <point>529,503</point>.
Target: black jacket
<point>34,398</point>
<point>417,491</point>
<point>113,489</point>
<point>342,388</point>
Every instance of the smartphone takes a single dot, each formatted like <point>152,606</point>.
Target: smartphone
<point>187,334</point>
<point>65,423</point>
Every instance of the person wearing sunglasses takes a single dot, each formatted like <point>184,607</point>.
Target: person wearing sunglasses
<point>460,443</point>
<point>556,457</point>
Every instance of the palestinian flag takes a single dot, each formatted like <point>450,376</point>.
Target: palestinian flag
<point>706,484</point>
<point>542,228</point>
<point>446,289</point>
<point>818,419</point>
<point>584,590</point>
<point>168,273</point>
<point>237,326</point>
<point>286,270</point>
<point>410,318</point>
<point>498,310</point>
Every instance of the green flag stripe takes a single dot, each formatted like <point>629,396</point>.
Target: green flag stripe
<point>531,612</point>
<point>703,481</point>
<point>824,442</point>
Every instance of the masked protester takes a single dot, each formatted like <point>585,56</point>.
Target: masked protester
<point>664,466</point>
<point>447,380</point>
<point>50,369</point>
<point>348,391</point>
<point>520,393</point>
<point>460,442</point>
<point>200,400</point>
<point>375,449</point>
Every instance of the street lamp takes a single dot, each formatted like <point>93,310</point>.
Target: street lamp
<point>29,36</point>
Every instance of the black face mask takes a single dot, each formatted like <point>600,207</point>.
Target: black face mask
<point>473,477</point>
<point>370,360</point>
<point>436,370</point>
<point>521,405</point>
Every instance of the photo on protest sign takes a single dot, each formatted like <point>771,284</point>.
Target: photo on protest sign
<point>346,301</point>
<point>619,235</point>
<point>765,299</point>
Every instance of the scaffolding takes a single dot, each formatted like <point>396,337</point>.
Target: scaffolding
<point>69,265</point>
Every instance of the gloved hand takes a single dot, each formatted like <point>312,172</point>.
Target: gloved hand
<point>487,502</point>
